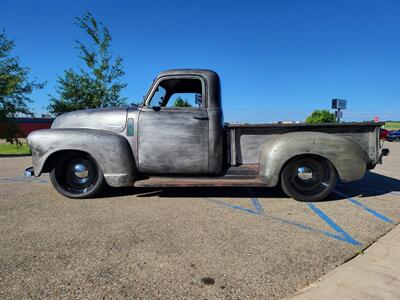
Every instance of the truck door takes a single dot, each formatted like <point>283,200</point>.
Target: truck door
<point>173,128</point>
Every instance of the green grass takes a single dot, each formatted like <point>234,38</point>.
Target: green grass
<point>392,125</point>
<point>8,148</point>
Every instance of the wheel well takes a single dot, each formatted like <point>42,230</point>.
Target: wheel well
<point>52,159</point>
<point>305,155</point>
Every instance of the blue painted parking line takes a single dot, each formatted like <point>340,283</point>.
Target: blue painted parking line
<point>342,234</point>
<point>23,179</point>
<point>365,207</point>
<point>258,210</point>
<point>256,204</point>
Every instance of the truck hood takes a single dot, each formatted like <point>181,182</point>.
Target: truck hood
<point>110,119</point>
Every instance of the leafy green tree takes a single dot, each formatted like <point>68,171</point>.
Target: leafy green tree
<point>179,102</point>
<point>96,85</point>
<point>15,89</point>
<point>321,116</point>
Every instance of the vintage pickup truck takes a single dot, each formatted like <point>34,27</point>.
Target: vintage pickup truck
<point>159,144</point>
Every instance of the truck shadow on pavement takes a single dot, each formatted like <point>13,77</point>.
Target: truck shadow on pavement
<point>371,185</point>
<point>195,192</point>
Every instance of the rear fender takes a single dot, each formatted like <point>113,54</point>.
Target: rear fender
<point>347,156</point>
<point>111,151</point>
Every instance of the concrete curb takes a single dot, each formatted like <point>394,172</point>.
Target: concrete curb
<point>375,274</point>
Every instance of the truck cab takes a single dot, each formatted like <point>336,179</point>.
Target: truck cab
<point>181,140</point>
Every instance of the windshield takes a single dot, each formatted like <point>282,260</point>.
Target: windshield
<point>158,97</point>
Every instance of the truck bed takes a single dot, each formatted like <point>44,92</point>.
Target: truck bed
<point>245,140</point>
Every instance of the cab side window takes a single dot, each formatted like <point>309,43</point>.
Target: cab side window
<point>178,93</point>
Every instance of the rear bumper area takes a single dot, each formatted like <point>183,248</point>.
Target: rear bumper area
<point>384,152</point>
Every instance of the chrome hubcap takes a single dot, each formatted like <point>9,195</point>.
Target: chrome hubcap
<point>304,173</point>
<point>81,171</point>
<point>78,174</point>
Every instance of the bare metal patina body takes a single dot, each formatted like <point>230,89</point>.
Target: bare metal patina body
<point>176,146</point>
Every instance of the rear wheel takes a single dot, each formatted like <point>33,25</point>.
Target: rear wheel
<point>77,175</point>
<point>308,178</point>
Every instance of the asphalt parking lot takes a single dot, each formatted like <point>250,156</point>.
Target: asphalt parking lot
<point>193,243</point>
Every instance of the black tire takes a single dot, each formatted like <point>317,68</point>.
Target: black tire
<point>308,178</point>
<point>77,175</point>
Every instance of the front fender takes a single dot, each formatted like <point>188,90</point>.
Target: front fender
<point>348,157</point>
<point>111,151</point>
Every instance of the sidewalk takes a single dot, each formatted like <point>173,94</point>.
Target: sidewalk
<point>375,274</point>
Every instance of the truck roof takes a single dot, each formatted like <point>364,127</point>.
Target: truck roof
<point>202,72</point>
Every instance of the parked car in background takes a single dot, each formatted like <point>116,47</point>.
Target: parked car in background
<point>383,133</point>
<point>393,136</point>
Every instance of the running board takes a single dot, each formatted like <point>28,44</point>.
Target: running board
<point>157,181</point>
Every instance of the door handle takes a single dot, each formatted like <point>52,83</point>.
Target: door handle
<point>200,116</point>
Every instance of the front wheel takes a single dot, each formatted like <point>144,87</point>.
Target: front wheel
<point>308,178</point>
<point>77,175</point>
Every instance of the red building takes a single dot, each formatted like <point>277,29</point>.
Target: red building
<point>27,125</point>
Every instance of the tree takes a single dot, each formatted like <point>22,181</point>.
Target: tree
<point>321,116</point>
<point>15,89</point>
<point>179,102</point>
<point>96,85</point>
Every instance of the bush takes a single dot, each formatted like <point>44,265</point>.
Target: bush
<point>321,116</point>
<point>179,102</point>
